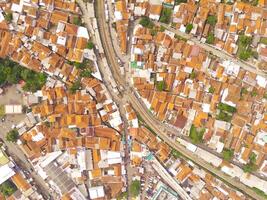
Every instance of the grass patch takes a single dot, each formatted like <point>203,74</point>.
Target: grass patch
<point>263,40</point>
<point>135,188</point>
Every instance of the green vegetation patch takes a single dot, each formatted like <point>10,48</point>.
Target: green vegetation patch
<point>259,192</point>
<point>244,50</point>
<point>228,154</point>
<point>223,116</point>
<point>122,196</point>
<point>146,22</point>
<point>193,75</point>
<point>160,85</point>
<point>177,2</point>
<point>176,154</point>
<point>225,112</point>
<point>212,20</point>
<point>75,86</point>
<point>12,73</point>
<point>7,188</point>
<point>188,28</point>
<point>12,136</point>
<point>77,21</point>
<point>210,38</point>
<point>90,45</point>
<point>226,107</point>
<point>251,166</point>
<point>263,40</point>
<point>166,14</point>
<point>211,90</point>
<point>8,17</point>
<point>135,188</point>
<point>196,134</point>
<point>2,111</point>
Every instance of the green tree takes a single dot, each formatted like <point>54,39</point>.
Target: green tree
<point>228,154</point>
<point>244,40</point>
<point>251,166</point>
<point>146,22</point>
<point>12,73</point>
<point>7,188</point>
<point>8,17</point>
<point>12,136</point>
<point>90,45</point>
<point>245,55</point>
<point>135,188</point>
<point>165,15</point>
<point>188,28</point>
<point>212,20</point>
<point>210,38</point>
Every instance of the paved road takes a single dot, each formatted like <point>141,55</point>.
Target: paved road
<point>219,53</point>
<point>142,110</point>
